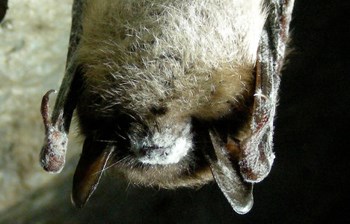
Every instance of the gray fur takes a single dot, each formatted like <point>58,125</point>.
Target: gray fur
<point>157,80</point>
<point>194,58</point>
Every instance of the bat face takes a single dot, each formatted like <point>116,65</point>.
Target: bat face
<point>149,70</point>
<point>170,93</point>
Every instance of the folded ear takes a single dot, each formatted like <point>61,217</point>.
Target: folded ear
<point>227,175</point>
<point>257,154</point>
<point>91,165</point>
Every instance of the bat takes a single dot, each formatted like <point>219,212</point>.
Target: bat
<point>170,94</point>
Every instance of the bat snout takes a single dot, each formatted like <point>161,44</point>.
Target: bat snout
<point>167,146</point>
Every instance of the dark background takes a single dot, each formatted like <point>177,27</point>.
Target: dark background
<point>308,182</point>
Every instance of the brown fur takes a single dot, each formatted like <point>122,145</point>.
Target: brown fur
<point>152,69</point>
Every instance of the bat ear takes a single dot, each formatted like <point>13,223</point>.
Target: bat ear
<point>238,192</point>
<point>91,165</point>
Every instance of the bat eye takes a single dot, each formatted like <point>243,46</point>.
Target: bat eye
<point>158,110</point>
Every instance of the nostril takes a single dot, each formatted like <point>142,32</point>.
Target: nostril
<point>146,148</point>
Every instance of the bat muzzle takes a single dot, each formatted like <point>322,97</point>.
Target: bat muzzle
<point>163,146</point>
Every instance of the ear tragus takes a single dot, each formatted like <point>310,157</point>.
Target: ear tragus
<point>91,165</point>
<point>238,192</point>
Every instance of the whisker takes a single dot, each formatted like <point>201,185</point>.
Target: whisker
<point>121,136</point>
<point>115,163</point>
<point>131,116</point>
<point>108,141</point>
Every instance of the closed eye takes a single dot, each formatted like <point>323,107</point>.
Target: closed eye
<point>155,110</point>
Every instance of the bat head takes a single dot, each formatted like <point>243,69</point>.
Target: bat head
<point>155,81</point>
<point>167,94</point>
